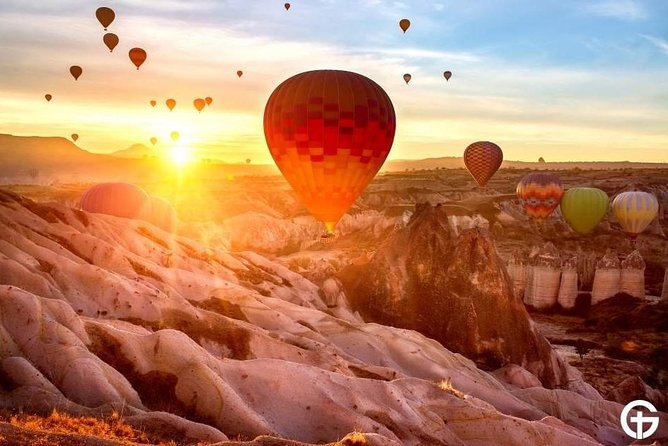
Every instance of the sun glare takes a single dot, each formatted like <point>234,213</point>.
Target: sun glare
<point>180,155</point>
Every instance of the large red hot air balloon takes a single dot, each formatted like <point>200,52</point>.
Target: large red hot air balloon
<point>111,40</point>
<point>329,132</point>
<point>105,16</point>
<point>483,159</point>
<point>76,71</point>
<point>540,194</point>
<point>119,199</point>
<point>137,56</point>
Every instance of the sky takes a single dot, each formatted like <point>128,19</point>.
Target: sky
<point>567,80</point>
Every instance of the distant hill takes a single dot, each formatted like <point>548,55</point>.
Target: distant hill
<point>136,151</point>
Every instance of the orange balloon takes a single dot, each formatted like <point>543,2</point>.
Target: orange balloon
<point>137,56</point>
<point>111,40</point>
<point>75,137</point>
<point>287,6</point>
<point>199,104</point>
<point>329,132</point>
<point>240,73</point>
<point>407,77</point>
<point>404,24</point>
<point>76,71</point>
<point>48,97</point>
<point>105,16</point>
<point>208,100</point>
<point>152,102</point>
<point>171,103</point>
<point>154,140</point>
<point>447,75</point>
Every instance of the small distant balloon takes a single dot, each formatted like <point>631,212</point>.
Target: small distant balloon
<point>407,77</point>
<point>199,104</point>
<point>208,100</point>
<point>447,75</point>
<point>75,71</point>
<point>137,56</point>
<point>154,140</point>
<point>152,102</point>
<point>248,161</point>
<point>48,97</point>
<point>111,40</point>
<point>174,136</point>
<point>75,137</point>
<point>240,73</point>
<point>171,103</point>
<point>287,6</point>
<point>404,24</point>
<point>105,16</point>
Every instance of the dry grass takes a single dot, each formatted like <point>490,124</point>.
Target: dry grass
<point>446,386</point>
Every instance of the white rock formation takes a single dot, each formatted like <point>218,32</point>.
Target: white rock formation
<point>607,279</point>
<point>632,279</point>
<point>542,287</point>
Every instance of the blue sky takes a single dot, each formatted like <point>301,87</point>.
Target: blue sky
<point>567,80</point>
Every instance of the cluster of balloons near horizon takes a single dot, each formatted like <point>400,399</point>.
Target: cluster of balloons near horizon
<point>404,24</point>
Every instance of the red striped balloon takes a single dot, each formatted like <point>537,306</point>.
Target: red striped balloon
<point>119,199</point>
<point>483,159</point>
<point>540,194</point>
<point>329,132</point>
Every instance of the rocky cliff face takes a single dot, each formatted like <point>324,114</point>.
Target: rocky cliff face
<point>454,289</point>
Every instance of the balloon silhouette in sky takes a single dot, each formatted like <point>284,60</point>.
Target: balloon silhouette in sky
<point>171,103</point>
<point>240,73</point>
<point>208,100</point>
<point>287,6</point>
<point>48,97</point>
<point>404,24</point>
<point>447,75</point>
<point>75,71</point>
<point>483,159</point>
<point>75,137</point>
<point>407,77</point>
<point>152,102</point>
<point>199,104</point>
<point>329,132</point>
<point>154,140</point>
<point>111,40</point>
<point>105,16</point>
<point>539,194</point>
<point>137,56</point>
<point>174,136</point>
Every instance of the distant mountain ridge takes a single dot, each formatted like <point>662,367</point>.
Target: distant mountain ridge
<point>135,151</point>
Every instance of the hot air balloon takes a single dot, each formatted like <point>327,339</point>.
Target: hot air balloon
<point>48,97</point>
<point>240,73</point>
<point>154,140</point>
<point>174,136</point>
<point>287,6</point>
<point>634,211</point>
<point>105,16</point>
<point>583,208</point>
<point>74,137</point>
<point>407,77</point>
<point>447,75</point>
<point>539,194</point>
<point>171,103</point>
<point>119,199</point>
<point>152,102</point>
<point>199,104</point>
<point>248,161</point>
<point>160,213</point>
<point>111,40</point>
<point>76,71</point>
<point>329,132</point>
<point>208,100</point>
<point>137,56</point>
<point>483,159</point>
<point>404,24</point>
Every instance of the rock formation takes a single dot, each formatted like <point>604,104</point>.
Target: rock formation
<point>632,280</point>
<point>568,288</point>
<point>664,291</point>
<point>452,289</point>
<point>517,270</point>
<point>607,278</point>
<point>542,287</point>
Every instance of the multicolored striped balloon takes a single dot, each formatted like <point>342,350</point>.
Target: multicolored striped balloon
<point>539,194</point>
<point>329,132</point>
<point>635,211</point>
<point>483,159</point>
<point>583,208</point>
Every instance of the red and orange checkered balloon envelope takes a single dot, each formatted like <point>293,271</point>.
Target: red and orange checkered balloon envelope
<point>483,159</point>
<point>329,132</point>
<point>540,194</point>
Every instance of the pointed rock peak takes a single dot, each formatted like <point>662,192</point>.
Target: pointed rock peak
<point>634,261</point>
<point>548,256</point>
<point>608,261</point>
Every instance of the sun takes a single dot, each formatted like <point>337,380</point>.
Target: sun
<point>180,155</point>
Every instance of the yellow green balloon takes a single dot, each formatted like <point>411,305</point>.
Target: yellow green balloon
<point>584,208</point>
<point>635,211</point>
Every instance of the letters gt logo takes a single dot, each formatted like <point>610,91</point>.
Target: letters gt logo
<point>639,419</point>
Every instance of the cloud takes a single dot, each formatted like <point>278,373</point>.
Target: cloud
<point>661,44</point>
<point>619,9</point>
